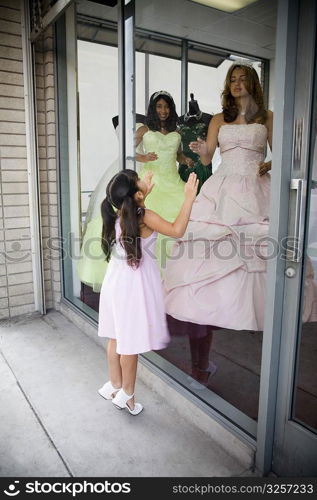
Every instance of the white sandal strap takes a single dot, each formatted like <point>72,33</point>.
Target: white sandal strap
<point>122,398</point>
<point>107,391</point>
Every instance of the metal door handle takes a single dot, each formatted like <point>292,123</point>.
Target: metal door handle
<point>300,186</point>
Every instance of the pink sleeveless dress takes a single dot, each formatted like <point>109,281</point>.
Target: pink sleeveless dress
<point>131,306</point>
<point>217,275</point>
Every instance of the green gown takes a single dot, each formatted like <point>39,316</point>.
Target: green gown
<point>165,199</point>
<point>167,195</point>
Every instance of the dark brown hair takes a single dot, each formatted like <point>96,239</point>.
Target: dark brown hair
<point>255,111</point>
<point>152,120</point>
<point>120,195</point>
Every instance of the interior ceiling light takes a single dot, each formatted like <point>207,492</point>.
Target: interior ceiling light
<point>226,5</point>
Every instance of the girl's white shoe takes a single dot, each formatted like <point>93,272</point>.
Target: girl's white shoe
<point>107,391</point>
<point>120,401</point>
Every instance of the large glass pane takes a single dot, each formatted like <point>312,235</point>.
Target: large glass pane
<point>165,74</point>
<point>305,390</point>
<point>219,361</point>
<point>98,104</point>
<point>98,112</point>
<point>89,90</point>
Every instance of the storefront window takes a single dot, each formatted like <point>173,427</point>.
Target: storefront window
<point>215,307</point>
<point>88,89</point>
<point>220,365</point>
<point>98,111</point>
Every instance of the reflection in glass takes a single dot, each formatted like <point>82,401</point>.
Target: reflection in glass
<point>92,92</point>
<point>211,362</point>
<point>98,105</point>
<point>305,397</point>
<point>212,37</point>
<point>217,275</point>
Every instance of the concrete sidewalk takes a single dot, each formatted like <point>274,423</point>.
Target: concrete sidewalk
<point>54,423</point>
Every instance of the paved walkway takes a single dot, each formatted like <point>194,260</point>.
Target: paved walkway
<point>54,423</point>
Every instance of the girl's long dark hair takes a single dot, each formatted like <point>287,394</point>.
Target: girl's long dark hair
<point>255,111</point>
<point>152,120</point>
<point>120,195</point>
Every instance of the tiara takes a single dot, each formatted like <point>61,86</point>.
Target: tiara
<point>161,92</point>
<point>239,61</point>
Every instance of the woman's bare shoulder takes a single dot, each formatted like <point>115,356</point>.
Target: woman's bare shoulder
<point>217,118</point>
<point>216,122</point>
<point>142,130</point>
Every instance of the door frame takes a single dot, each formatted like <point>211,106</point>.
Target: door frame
<point>293,36</point>
<point>295,447</point>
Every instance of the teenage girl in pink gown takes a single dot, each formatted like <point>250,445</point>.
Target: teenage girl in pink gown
<point>219,275</point>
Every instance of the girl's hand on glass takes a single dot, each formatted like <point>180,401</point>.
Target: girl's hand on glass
<point>150,157</point>
<point>264,167</point>
<point>191,187</point>
<point>148,179</point>
<point>199,147</point>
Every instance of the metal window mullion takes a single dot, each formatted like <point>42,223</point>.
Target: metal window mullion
<point>184,77</point>
<point>32,164</point>
<point>265,80</point>
<point>126,54</point>
<point>146,80</point>
<point>73,138</point>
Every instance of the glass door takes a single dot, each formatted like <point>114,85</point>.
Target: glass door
<point>295,442</point>
<point>187,62</point>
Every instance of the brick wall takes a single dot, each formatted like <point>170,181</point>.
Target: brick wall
<point>16,277</point>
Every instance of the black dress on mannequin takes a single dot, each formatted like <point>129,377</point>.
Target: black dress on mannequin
<point>192,125</point>
<point>138,119</point>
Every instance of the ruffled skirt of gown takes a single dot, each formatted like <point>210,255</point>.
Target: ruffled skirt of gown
<point>217,273</point>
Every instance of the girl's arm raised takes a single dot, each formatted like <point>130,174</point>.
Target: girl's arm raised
<point>177,228</point>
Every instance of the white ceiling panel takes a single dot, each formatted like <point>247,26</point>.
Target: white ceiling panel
<point>242,48</point>
<point>248,31</point>
<point>177,12</point>
<point>262,12</point>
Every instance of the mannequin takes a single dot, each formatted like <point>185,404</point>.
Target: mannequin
<point>194,113</point>
<point>192,125</point>
<point>138,119</point>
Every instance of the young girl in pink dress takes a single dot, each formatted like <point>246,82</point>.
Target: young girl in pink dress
<point>131,308</point>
